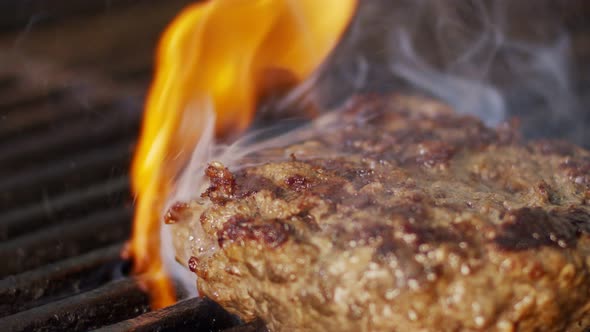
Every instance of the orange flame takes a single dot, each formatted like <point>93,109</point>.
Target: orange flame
<point>219,51</point>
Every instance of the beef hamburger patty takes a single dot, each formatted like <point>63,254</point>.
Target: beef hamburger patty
<point>403,217</point>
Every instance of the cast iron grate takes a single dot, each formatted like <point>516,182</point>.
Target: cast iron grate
<point>65,206</point>
<point>65,214</point>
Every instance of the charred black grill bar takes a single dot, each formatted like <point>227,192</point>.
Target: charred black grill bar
<point>68,276</point>
<point>65,205</point>
<point>33,216</point>
<point>190,315</point>
<point>110,303</point>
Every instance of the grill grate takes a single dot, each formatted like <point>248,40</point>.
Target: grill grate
<point>68,126</point>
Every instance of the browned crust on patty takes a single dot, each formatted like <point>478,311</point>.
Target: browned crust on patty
<point>405,217</point>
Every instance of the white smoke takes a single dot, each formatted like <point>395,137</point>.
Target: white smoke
<point>492,59</point>
<point>466,95</point>
<point>187,188</point>
<point>192,181</point>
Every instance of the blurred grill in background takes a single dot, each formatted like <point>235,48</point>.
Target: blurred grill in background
<point>73,76</point>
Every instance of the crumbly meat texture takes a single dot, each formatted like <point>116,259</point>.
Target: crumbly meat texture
<point>404,217</point>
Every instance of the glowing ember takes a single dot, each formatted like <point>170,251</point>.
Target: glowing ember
<point>220,52</point>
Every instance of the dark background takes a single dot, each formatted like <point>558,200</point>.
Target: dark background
<point>442,32</point>
<point>109,45</point>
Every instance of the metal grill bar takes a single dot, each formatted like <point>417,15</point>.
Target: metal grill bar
<point>65,207</point>
<point>59,242</point>
<point>255,326</point>
<point>111,303</point>
<point>48,283</point>
<point>69,174</point>
<point>197,314</point>
<point>36,115</point>
<point>104,128</point>
<point>30,106</point>
<point>71,204</point>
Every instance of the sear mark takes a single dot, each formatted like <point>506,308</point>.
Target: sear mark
<point>432,153</point>
<point>298,182</point>
<point>250,184</point>
<point>529,228</point>
<point>177,212</point>
<point>239,228</point>
<point>223,184</point>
